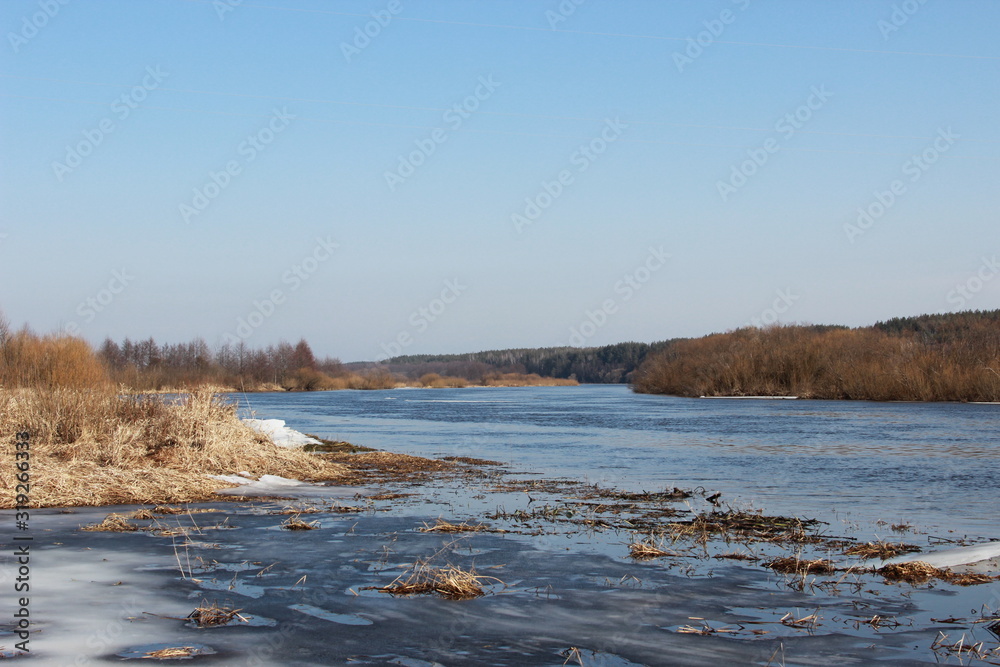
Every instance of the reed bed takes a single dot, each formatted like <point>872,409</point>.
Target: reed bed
<point>100,447</point>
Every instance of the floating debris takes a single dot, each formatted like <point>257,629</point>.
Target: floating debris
<point>295,523</point>
<point>443,526</point>
<point>113,523</point>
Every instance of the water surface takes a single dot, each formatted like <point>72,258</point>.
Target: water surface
<point>931,464</point>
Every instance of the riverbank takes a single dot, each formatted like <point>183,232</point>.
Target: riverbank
<point>98,447</point>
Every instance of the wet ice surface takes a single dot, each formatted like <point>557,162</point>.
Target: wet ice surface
<point>571,594</point>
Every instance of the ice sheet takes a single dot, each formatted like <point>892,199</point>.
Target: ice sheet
<point>279,433</point>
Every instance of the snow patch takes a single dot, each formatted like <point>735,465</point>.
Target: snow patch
<point>280,434</point>
<point>267,485</point>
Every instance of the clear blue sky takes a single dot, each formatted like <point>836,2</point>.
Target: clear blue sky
<point>114,116</point>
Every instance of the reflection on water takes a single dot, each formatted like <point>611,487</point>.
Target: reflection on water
<point>931,463</point>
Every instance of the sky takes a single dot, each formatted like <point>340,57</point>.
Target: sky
<point>402,177</point>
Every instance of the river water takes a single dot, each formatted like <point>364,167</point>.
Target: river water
<point>932,465</point>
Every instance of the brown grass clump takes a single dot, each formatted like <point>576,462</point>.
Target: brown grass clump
<point>918,572</point>
<point>143,515</point>
<point>211,615</point>
<point>113,523</point>
<point>792,565</point>
<point>295,523</point>
<point>99,447</point>
<point>914,572</point>
<point>443,526</point>
<point>172,652</point>
<point>449,582</point>
<point>881,549</point>
<point>645,551</point>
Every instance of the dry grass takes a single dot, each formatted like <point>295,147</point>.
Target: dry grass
<point>113,523</point>
<point>442,526</point>
<point>172,652</point>
<point>964,649</point>
<point>98,447</point>
<point>450,582</point>
<point>792,565</point>
<point>915,572</point>
<point>646,550</point>
<point>880,549</point>
<point>295,523</point>
<point>211,615</point>
<point>918,572</point>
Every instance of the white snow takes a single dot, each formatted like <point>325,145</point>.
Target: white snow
<point>953,557</point>
<point>279,433</point>
<point>267,485</point>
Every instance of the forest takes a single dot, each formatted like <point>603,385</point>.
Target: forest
<point>949,357</point>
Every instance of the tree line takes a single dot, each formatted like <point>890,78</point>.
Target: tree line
<point>609,364</point>
<point>949,357</point>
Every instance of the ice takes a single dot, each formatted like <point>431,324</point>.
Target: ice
<point>267,485</point>
<point>953,557</point>
<point>279,433</point>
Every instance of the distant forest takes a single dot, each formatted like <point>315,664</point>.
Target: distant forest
<point>949,357</point>
<point>610,364</point>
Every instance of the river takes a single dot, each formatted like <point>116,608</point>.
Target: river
<point>935,465</point>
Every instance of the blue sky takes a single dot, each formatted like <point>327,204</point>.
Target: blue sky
<point>613,171</point>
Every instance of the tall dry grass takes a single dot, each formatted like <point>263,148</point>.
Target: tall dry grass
<point>99,447</point>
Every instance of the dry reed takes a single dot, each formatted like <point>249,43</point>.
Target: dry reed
<point>99,447</point>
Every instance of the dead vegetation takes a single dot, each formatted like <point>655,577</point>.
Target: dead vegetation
<point>646,550</point>
<point>295,523</point>
<point>100,447</point>
<point>880,549</point>
<point>450,582</point>
<point>113,523</point>
<point>918,572</point>
<point>213,615</point>
<point>172,653</point>
<point>442,526</point>
<point>468,460</point>
<point>964,649</point>
<point>745,526</point>
<point>793,565</point>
